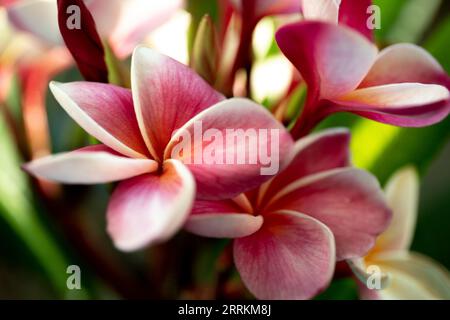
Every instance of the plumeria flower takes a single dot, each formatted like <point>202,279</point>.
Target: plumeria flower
<point>290,232</point>
<point>349,12</point>
<point>402,85</point>
<point>136,127</point>
<point>404,274</point>
<point>124,23</point>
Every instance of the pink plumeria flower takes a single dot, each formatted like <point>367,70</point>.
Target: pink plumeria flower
<point>402,85</point>
<point>290,232</point>
<point>403,274</point>
<point>124,23</point>
<point>136,128</point>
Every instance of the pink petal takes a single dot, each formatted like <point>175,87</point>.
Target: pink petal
<point>332,59</point>
<point>318,152</point>
<point>405,62</point>
<point>106,14</point>
<point>150,208</point>
<point>37,17</point>
<point>6,3</point>
<point>166,94</point>
<point>138,18</point>
<point>321,10</point>
<point>89,165</point>
<point>217,206</point>
<point>403,104</point>
<point>349,201</point>
<point>353,13</point>
<point>291,257</point>
<point>224,225</point>
<point>104,111</point>
<point>226,180</point>
<point>222,219</point>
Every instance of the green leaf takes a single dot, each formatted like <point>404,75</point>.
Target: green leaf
<point>382,149</point>
<point>205,266</point>
<point>118,74</point>
<point>295,104</point>
<point>390,10</point>
<point>65,133</point>
<point>19,213</point>
<point>370,140</point>
<point>413,19</point>
<point>437,43</point>
<point>416,146</point>
<point>341,289</point>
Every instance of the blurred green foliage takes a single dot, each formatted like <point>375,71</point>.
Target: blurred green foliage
<point>18,211</point>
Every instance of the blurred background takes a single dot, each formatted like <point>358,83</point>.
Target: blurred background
<point>42,234</point>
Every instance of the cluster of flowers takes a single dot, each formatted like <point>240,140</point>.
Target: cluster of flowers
<point>289,229</point>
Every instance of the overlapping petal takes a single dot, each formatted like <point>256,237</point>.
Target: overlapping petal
<point>405,62</point>
<point>150,208</point>
<point>315,153</point>
<point>291,257</point>
<point>89,165</point>
<point>348,200</point>
<point>159,108</point>
<point>413,277</point>
<point>233,137</point>
<point>403,104</point>
<point>222,219</point>
<point>402,86</point>
<point>224,225</point>
<point>333,60</point>
<point>104,111</point>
